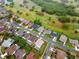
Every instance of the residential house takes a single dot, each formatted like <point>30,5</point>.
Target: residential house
<point>39,43</point>
<point>4,20</point>
<point>47,32</point>
<point>1,1</point>
<point>11,50</point>
<point>31,55</point>
<point>52,48</point>
<point>32,39</point>
<point>54,36</point>
<point>15,24</point>
<point>63,39</point>
<point>35,26</point>
<point>12,30</point>
<point>20,53</point>
<point>26,35</point>
<point>74,42</point>
<point>7,43</point>
<point>40,29</point>
<point>30,24</point>
<point>24,21</point>
<point>61,54</point>
<point>1,38</point>
<point>20,32</point>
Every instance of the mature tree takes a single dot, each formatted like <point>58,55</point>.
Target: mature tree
<point>37,21</point>
<point>64,19</point>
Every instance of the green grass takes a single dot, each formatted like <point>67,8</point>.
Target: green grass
<point>68,45</point>
<point>48,35</point>
<point>3,49</point>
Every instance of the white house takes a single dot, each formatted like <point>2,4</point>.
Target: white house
<point>7,43</point>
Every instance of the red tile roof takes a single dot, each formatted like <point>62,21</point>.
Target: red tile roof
<point>31,56</point>
<point>60,54</point>
<point>11,50</point>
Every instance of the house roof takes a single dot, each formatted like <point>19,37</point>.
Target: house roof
<point>52,47</point>
<point>7,43</point>
<point>40,29</point>
<point>20,32</point>
<point>4,20</point>
<point>30,24</point>
<point>31,56</point>
<point>1,1</point>
<point>20,54</point>
<point>74,42</point>
<point>32,38</point>
<point>35,26</point>
<point>54,34</point>
<point>60,54</point>
<point>12,30</point>
<point>11,50</point>
<point>15,24</point>
<point>39,43</point>
<point>26,35</point>
<point>63,38</point>
<point>24,21</point>
<point>47,32</point>
<point>1,38</point>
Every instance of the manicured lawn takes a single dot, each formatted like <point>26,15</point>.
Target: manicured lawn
<point>68,45</point>
<point>48,35</point>
<point>3,49</point>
